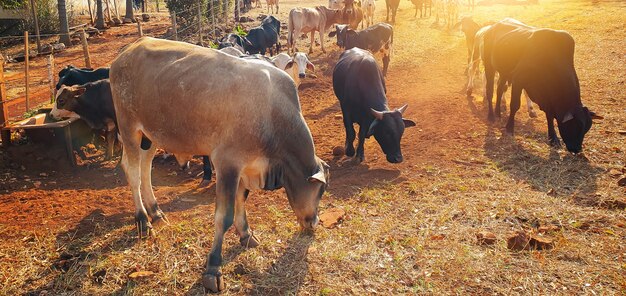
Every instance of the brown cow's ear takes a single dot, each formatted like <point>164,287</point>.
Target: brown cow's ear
<point>408,122</point>
<point>318,177</point>
<point>79,91</point>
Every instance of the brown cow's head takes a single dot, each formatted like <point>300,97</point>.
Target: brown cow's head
<point>305,193</point>
<point>66,102</point>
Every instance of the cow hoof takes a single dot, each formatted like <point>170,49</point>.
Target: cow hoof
<point>144,228</point>
<point>160,219</point>
<point>249,242</point>
<point>204,183</point>
<point>555,143</point>
<point>359,159</point>
<point>349,151</point>
<point>532,114</point>
<point>213,283</point>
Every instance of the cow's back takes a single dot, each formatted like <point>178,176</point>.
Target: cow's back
<point>358,82</point>
<point>190,99</point>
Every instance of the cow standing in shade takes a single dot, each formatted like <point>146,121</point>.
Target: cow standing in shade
<point>92,103</point>
<point>71,75</point>
<point>193,104</point>
<point>360,87</point>
<point>540,61</point>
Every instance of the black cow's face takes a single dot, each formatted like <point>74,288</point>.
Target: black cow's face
<point>387,129</point>
<point>574,127</point>
<point>344,35</point>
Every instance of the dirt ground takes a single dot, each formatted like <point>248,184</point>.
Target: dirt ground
<point>409,228</point>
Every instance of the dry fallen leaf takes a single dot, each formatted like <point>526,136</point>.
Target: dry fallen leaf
<point>141,274</point>
<point>331,217</point>
<point>486,238</point>
<point>621,182</point>
<point>437,237</point>
<point>615,173</point>
<point>525,241</point>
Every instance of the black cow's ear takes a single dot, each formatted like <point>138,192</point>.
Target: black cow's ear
<point>595,116</point>
<point>408,122</point>
<point>370,131</point>
<point>332,34</point>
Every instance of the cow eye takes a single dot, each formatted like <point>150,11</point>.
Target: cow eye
<point>60,101</point>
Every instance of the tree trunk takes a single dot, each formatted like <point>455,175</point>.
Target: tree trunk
<point>65,28</point>
<point>99,15</point>
<point>130,14</point>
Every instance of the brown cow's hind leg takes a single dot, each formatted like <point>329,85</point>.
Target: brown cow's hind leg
<point>246,237</point>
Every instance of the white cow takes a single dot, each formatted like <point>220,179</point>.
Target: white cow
<point>369,7</point>
<point>295,65</point>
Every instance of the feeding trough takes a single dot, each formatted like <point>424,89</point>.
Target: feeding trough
<point>42,128</point>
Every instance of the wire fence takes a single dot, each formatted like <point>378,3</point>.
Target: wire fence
<point>194,24</point>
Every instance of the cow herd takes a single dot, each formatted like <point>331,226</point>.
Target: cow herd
<point>192,103</point>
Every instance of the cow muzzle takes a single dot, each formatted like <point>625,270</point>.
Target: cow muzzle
<point>395,158</point>
<point>302,75</point>
<point>308,223</point>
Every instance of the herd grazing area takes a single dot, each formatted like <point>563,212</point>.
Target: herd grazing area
<point>408,228</point>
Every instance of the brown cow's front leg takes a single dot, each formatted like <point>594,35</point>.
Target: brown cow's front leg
<point>227,185</point>
<point>246,237</point>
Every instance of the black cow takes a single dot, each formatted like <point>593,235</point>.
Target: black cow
<point>263,37</point>
<point>232,40</point>
<point>360,87</point>
<point>377,39</point>
<point>71,75</point>
<point>540,61</point>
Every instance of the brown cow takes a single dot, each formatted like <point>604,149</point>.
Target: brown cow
<point>192,103</point>
<point>272,3</point>
<point>352,14</point>
<point>309,20</point>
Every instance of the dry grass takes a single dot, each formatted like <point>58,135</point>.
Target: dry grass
<point>411,229</point>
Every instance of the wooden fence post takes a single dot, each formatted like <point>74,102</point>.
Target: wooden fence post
<point>83,38</point>
<point>174,25</point>
<point>139,27</point>
<point>51,75</point>
<point>26,57</point>
<point>213,10</point>
<point>36,19</point>
<point>4,114</point>
<point>199,22</point>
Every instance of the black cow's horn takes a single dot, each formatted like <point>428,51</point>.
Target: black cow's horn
<point>403,108</point>
<point>377,114</point>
